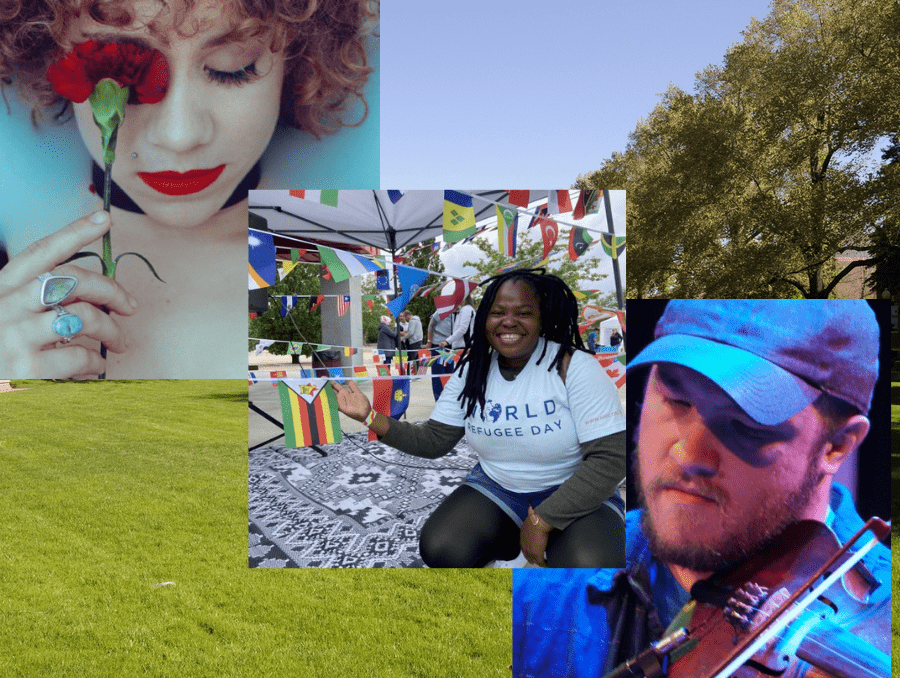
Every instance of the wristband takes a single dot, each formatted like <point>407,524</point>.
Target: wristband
<point>370,418</point>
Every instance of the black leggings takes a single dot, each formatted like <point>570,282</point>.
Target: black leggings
<point>470,530</point>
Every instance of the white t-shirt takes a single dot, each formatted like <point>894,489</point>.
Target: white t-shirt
<point>529,436</point>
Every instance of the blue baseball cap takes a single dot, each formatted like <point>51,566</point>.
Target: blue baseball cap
<point>774,357</point>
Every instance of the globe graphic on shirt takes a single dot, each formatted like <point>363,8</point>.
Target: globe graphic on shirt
<point>492,410</point>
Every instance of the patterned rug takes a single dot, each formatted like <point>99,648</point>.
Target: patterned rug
<point>362,505</point>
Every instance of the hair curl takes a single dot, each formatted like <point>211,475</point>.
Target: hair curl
<point>559,323</point>
<point>323,42</point>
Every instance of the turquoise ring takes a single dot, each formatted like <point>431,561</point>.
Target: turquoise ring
<point>66,324</point>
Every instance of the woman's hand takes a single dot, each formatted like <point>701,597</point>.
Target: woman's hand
<point>533,538</point>
<point>29,346</point>
<point>351,401</point>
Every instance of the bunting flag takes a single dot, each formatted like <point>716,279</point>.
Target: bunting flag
<point>343,305</point>
<point>507,223</point>
<point>579,239</point>
<point>549,233</point>
<point>278,374</point>
<point>518,198</point>
<point>620,314</point>
<point>612,244</point>
<point>287,303</point>
<point>262,260</point>
<point>614,369</point>
<point>314,303</point>
<point>310,412</point>
<point>383,370</point>
<point>369,301</point>
<point>344,265</point>
<point>459,216</point>
<point>382,282</point>
<point>451,295</point>
<point>360,371</point>
<point>376,356</point>
<point>558,202</point>
<point>295,254</point>
<point>395,196</point>
<point>294,348</point>
<point>588,203</point>
<point>411,280</point>
<point>252,379</point>
<point>287,267</point>
<point>349,350</point>
<point>390,397</point>
<point>337,373</point>
<point>305,373</point>
<point>324,197</point>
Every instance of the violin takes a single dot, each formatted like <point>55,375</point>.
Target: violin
<point>779,614</point>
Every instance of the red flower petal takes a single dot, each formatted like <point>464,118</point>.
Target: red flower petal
<point>78,72</point>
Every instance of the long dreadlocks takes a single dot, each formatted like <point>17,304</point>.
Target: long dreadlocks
<point>559,323</point>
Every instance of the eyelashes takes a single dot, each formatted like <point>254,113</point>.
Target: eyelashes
<point>233,78</point>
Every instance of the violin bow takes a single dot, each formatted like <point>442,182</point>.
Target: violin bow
<point>784,616</point>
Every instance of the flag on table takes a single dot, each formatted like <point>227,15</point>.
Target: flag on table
<point>343,304</point>
<point>588,203</point>
<point>558,202</point>
<point>579,239</point>
<point>389,397</point>
<point>310,412</point>
<point>507,222</point>
<point>262,259</point>
<point>411,280</point>
<point>459,216</point>
<point>294,348</point>
<point>518,198</point>
<point>314,303</point>
<point>612,244</point>
<point>395,196</point>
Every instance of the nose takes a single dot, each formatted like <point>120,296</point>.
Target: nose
<point>182,122</point>
<point>697,450</point>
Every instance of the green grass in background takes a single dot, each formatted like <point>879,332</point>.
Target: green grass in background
<point>123,552</point>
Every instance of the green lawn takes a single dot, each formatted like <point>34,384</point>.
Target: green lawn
<point>123,552</point>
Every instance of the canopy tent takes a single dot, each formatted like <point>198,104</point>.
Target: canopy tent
<point>362,217</point>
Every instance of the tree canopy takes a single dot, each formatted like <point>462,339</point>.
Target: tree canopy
<point>751,185</point>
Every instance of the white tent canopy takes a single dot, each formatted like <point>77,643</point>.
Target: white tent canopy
<point>363,217</point>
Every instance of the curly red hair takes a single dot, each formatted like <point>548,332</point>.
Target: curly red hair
<point>323,42</point>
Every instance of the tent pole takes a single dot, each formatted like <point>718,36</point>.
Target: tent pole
<point>620,300</point>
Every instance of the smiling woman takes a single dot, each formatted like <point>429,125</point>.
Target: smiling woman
<point>236,73</point>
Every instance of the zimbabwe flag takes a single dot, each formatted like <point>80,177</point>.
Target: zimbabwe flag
<point>309,411</point>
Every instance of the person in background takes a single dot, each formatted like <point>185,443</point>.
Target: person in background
<point>438,331</point>
<point>413,332</point>
<point>615,338</point>
<point>388,338</point>
<point>461,320</point>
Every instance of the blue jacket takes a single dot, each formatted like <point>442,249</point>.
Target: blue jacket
<point>583,623</point>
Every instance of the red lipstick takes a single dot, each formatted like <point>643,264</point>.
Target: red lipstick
<point>176,183</point>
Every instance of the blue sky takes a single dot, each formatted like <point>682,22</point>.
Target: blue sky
<point>529,94</point>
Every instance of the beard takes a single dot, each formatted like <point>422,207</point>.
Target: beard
<point>745,530</point>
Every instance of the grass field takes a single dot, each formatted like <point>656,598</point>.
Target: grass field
<point>123,552</point>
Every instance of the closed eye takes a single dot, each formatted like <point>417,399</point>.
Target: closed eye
<point>239,77</point>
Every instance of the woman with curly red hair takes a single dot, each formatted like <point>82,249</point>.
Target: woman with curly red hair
<point>247,88</point>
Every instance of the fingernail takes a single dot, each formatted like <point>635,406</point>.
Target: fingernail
<point>99,217</point>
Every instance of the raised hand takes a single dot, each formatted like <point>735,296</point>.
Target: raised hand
<point>30,343</point>
<point>351,401</point>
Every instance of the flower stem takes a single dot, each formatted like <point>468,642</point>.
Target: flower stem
<point>109,265</point>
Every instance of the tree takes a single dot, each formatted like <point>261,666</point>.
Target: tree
<point>751,185</point>
<point>302,280</point>
<point>575,274</point>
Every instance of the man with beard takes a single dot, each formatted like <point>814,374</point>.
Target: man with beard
<point>749,409</point>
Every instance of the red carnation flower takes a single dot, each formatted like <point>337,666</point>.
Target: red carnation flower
<point>144,71</point>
